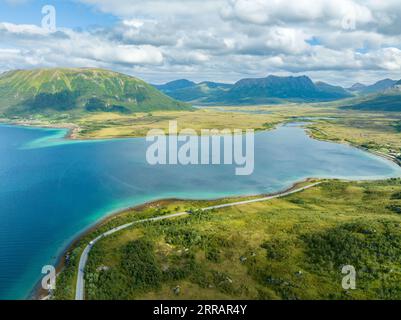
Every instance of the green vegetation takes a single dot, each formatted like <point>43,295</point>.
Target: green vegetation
<point>77,91</point>
<point>288,248</point>
<point>104,125</point>
<point>376,131</point>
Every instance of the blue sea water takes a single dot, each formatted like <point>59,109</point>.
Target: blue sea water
<point>52,189</point>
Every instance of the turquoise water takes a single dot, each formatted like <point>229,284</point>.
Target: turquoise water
<point>52,189</point>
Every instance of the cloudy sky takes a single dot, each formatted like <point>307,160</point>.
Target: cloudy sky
<point>338,41</point>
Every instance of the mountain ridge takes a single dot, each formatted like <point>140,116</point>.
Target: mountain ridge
<point>271,89</point>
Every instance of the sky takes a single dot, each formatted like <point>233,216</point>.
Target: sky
<point>337,41</point>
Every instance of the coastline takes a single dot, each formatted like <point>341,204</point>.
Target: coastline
<point>38,293</point>
<point>73,130</point>
<point>376,153</point>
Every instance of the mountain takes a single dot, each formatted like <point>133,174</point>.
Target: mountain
<point>185,90</point>
<point>78,90</point>
<point>271,89</point>
<point>374,88</point>
<point>275,89</point>
<point>388,100</point>
<point>337,92</point>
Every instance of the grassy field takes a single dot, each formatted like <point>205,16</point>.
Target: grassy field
<point>115,125</point>
<point>105,125</point>
<point>378,131</point>
<point>288,248</point>
<point>375,131</point>
<point>102,126</point>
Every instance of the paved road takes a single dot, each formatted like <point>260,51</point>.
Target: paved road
<point>80,287</point>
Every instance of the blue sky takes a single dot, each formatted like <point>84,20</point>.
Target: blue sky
<point>337,41</point>
<point>70,14</point>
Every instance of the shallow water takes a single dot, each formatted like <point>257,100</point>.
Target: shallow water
<point>52,189</point>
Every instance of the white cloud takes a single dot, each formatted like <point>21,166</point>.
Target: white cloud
<point>386,58</point>
<point>275,11</point>
<point>222,39</point>
<point>158,9</point>
<point>40,46</point>
<point>24,29</point>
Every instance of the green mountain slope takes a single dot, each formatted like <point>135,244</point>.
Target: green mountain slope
<point>387,100</point>
<point>78,90</point>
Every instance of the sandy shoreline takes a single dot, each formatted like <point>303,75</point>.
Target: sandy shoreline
<point>39,294</point>
<point>73,129</point>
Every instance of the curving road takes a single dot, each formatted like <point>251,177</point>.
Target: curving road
<point>80,287</point>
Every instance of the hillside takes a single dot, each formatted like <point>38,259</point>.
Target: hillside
<point>389,101</point>
<point>49,91</point>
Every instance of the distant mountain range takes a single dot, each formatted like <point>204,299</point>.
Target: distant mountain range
<point>79,90</point>
<point>384,95</point>
<point>272,89</point>
<point>374,88</point>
